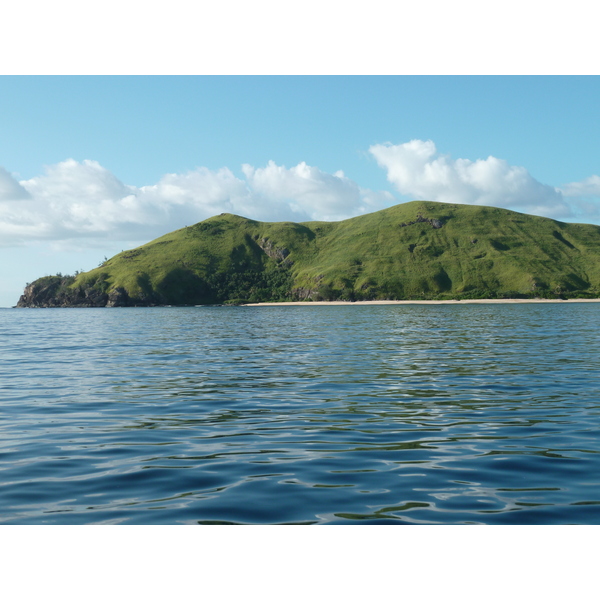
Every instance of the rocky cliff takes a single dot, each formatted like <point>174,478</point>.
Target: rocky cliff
<point>56,291</point>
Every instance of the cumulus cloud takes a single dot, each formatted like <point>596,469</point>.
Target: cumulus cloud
<point>10,189</point>
<point>310,192</point>
<point>83,199</point>
<point>73,200</point>
<point>587,187</point>
<point>417,170</point>
<point>584,196</point>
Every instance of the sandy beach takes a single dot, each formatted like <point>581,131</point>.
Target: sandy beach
<point>375,302</point>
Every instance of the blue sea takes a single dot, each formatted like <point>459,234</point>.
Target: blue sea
<point>389,414</point>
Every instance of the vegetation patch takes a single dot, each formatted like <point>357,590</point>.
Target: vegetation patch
<point>417,250</point>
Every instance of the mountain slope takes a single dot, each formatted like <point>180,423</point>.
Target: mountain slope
<point>413,250</point>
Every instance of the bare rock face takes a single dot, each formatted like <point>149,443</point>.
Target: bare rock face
<point>55,291</point>
<point>95,297</point>
<point>301,293</point>
<point>272,251</point>
<point>435,223</point>
<point>37,295</point>
<point>117,297</point>
<point>27,297</point>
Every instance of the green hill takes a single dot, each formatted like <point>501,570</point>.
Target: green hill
<point>417,250</point>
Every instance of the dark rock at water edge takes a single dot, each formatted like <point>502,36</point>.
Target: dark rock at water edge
<point>54,291</point>
<point>117,297</point>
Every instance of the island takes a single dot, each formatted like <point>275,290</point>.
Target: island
<point>412,251</point>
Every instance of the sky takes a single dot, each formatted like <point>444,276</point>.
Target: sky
<point>91,165</point>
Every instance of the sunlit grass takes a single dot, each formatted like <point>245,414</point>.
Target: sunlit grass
<point>395,253</point>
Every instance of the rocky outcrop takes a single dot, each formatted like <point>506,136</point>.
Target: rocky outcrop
<point>55,291</point>
<point>275,252</point>
<point>117,297</point>
<point>301,293</point>
<point>308,293</point>
<point>435,223</point>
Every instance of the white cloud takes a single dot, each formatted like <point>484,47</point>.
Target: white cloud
<point>73,200</point>
<point>584,196</point>
<point>310,193</point>
<point>69,179</point>
<point>10,189</point>
<point>416,170</point>
<point>587,187</point>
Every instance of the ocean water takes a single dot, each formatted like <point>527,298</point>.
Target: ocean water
<point>393,414</point>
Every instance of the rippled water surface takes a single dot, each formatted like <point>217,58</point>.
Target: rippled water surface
<point>310,414</point>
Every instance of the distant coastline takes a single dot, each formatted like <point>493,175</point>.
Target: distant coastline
<point>480,301</point>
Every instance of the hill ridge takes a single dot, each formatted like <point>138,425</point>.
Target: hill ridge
<point>414,250</point>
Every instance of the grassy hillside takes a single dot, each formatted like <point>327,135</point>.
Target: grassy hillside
<point>413,250</point>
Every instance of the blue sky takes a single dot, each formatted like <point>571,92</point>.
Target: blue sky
<point>91,165</point>
<point>143,127</point>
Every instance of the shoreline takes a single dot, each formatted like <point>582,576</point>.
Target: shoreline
<point>383,302</point>
<point>344,303</point>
